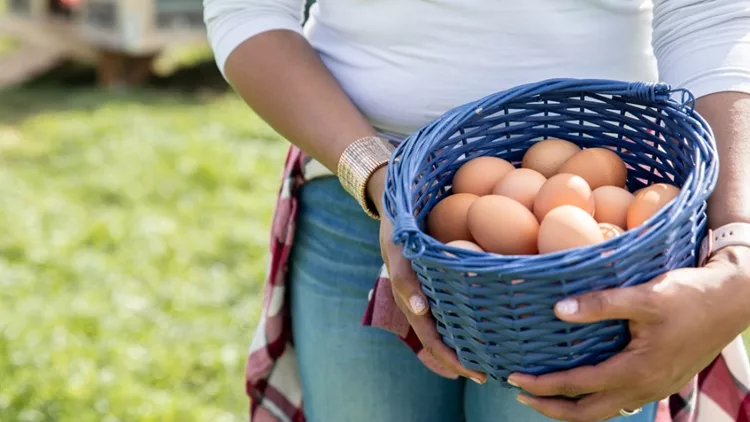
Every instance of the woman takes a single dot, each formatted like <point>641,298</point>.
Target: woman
<point>363,71</point>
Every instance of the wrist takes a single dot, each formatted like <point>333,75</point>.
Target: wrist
<point>360,171</point>
<point>735,260</point>
<point>737,257</point>
<point>376,188</point>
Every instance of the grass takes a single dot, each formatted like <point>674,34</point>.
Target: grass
<point>7,45</point>
<point>133,250</point>
<point>135,229</point>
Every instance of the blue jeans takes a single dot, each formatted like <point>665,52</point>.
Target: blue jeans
<point>352,373</point>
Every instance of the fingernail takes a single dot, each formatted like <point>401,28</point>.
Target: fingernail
<point>522,399</point>
<point>567,307</point>
<point>476,380</point>
<point>417,304</point>
<point>513,383</point>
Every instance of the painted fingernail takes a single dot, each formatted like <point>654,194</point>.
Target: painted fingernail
<point>522,399</point>
<point>417,304</point>
<point>567,307</point>
<point>476,380</point>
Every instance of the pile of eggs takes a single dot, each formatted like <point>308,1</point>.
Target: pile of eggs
<point>562,197</point>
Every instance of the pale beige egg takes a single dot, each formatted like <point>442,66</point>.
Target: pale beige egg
<point>610,231</point>
<point>503,226</point>
<point>480,175</point>
<point>649,201</point>
<point>547,156</point>
<point>465,244</point>
<point>448,220</point>
<point>521,185</point>
<point>563,189</point>
<point>598,166</point>
<point>612,205</point>
<point>568,227</point>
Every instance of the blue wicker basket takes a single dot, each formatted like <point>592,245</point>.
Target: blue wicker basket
<point>499,326</point>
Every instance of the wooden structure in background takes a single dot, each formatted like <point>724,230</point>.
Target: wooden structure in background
<point>122,36</point>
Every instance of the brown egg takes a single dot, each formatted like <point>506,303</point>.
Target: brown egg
<point>649,201</point>
<point>502,225</point>
<point>568,227</point>
<point>598,166</point>
<point>521,185</point>
<point>480,175</point>
<point>612,205</point>
<point>563,189</point>
<point>610,230</point>
<point>547,156</point>
<point>465,244</point>
<point>448,219</point>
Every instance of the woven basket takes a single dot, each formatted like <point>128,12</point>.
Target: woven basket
<point>496,311</point>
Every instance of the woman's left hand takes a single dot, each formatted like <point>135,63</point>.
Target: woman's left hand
<point>679,323</point>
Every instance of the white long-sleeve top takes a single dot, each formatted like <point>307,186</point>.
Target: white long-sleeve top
<point>406,62</point>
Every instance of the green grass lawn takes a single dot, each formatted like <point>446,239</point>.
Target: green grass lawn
<point>133,250</point>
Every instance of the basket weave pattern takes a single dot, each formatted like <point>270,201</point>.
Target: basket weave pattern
<point>497,311</point>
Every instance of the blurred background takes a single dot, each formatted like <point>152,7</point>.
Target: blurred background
<point>136,193</point>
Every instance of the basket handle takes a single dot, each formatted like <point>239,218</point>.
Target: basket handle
<point>687,99</point>
<point>655,92</point>
<point>659,92</point>
<point>406,233</point>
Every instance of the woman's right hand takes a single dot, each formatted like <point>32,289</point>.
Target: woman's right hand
<point>407,292</point>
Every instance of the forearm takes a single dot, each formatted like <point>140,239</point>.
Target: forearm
<point>703,46</point>
<point>728,114</point>
<point>284,81</point>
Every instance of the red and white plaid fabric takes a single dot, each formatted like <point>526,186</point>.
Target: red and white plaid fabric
<point>721,393</point>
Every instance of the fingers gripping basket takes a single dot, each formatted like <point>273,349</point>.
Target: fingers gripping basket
<point>496,311</point>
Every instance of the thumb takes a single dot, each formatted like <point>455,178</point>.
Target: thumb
<point>631,303</point>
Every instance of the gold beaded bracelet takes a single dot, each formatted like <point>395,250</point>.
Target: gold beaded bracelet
<point>358,163</point>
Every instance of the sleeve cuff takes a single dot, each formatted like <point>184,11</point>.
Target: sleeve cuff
<point>720,80</point>
<point>706,63</point>
<point>238,28</point>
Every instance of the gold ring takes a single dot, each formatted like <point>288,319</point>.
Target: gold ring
<point>628,413</point>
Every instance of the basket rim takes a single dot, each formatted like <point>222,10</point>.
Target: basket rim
<point>418,244</point>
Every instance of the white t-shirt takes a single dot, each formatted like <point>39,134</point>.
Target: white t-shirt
<point>406,62</point>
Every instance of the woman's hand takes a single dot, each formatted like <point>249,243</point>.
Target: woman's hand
<point>407,291</point>
<point>679,323</point>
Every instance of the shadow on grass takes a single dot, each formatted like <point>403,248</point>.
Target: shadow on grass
<point>72,86</point>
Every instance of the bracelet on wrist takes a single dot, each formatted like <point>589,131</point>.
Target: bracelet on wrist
<point>358,163</point>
